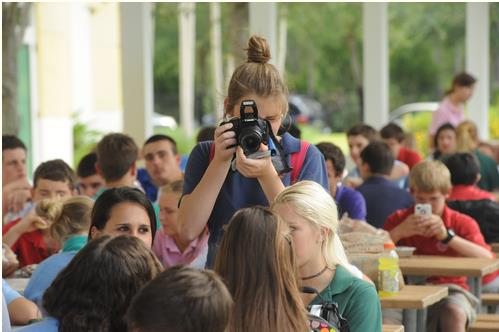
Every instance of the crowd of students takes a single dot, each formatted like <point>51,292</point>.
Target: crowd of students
<point>239,241</point>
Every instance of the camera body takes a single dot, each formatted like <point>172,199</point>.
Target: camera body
<point>250,130</point>
<point>422,209</point>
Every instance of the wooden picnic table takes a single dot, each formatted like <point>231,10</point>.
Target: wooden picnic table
<point>414,300</point>
<point>471,267</point>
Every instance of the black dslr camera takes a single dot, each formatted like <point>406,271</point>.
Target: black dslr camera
<point>250,130</point>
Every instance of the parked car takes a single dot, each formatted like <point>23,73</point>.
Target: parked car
<point>163,121</point>
<point>303,109</point>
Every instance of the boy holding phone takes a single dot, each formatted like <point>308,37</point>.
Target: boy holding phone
<point>443,232</point>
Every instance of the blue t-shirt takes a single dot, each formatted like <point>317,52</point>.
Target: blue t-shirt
<point>48,324</point>
<point>146,182</point>
<point>350,201</point>
<point>9,293</point>
<point>238,191</point>
<point>44,275</point>
<point>383,197</point>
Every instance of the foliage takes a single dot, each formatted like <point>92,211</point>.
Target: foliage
<point>84,140</point>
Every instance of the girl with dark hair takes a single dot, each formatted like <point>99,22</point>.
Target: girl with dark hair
<point>451,109</point>
<point>257,261</point>
<point>123,211</point>
<point>220,178</point>
<point>444,141</point>
<point>93,292</point>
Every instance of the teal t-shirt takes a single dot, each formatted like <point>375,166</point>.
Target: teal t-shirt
<point>357,301</point>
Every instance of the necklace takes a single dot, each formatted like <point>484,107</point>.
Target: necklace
<point>315,275</point>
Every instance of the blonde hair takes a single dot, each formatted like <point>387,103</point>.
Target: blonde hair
<point>430,175</point>
<point>467,136</point>
<point>172,187</point>
<point>66,217</point>
<point>257,76</point>
<point>313,203</point>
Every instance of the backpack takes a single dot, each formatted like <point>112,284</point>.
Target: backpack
<point>297,159</point>
<point>326,315</point>
<point>486,214</point>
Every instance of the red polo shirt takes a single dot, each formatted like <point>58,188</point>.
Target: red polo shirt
<point>408,157</point>
<point>30,248</point>
<point>463,192</point>
<point>464,226</point>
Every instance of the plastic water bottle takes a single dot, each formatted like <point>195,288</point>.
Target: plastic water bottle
<point>388,271</point>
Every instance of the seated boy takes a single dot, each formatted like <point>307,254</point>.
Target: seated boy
<point>168,245</point>
<point>359,136</point>
<point>464,175</point>
<point>28,237</point>
<point>347,199</point>
<point>89,181</point>
<point>394,136</point>
<point>444,232</point>
<point>382,196</point>
<point>181,299</point>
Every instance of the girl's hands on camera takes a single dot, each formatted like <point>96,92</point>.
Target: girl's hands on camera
<point>254,168</point>
<point>224,137</point>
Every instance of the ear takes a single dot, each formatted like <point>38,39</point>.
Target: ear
<point>94,232</point>
<point>178,158</point>
<point>478,177</point>
<point>133,169</point>
<point>98,169</point>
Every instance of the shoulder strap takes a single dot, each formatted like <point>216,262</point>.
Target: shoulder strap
<point>297,160</point>
<point>212,152</point>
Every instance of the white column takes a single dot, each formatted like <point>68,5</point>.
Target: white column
<point>216,54</point>
<point>262,21</point>
<point>137,81</point>
<point>375,59</point>
<point>477,63</point>
<point>187,43</point>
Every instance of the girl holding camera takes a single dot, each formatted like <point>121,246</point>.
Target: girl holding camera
<point>213,192</point>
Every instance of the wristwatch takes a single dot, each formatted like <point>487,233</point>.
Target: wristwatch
<point>450,236</point>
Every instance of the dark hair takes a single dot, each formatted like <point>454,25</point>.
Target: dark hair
<point>86,166</point>
<point>115,155</point>
<point>161,137</point>
<point>363,130</point>
<point>333,153</point>
<point>181,299</point>
<point>94,290</point>
<point>206,134</point>
<point>55,170</point>
<point>379,157</point>
<point>101,211</point>
<point>464,168</point>
<point>12,142</point>
<point>392,130</point>
<point>445,126</point>
<point>461,79</point>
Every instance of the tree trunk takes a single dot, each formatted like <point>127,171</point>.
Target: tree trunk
<point>238,31</point>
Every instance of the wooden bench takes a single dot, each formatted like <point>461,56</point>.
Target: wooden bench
<point>487,318</point>
<point>490,299</point>
<point>484,326</point>
<point>392,328</point>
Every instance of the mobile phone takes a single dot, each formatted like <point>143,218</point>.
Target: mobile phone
<point>422,209</point>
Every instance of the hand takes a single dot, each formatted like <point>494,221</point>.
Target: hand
<point>412,225</point>
<point>9,261</point>
<point>17,199</point>
<point>353,182</point>
<point>434,227</point>
<point>223,139</point>
<point>30,223</point>
<point>254,168</point>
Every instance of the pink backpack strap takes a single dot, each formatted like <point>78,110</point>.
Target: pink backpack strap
<point>297,160</point>
<point>212,151</point>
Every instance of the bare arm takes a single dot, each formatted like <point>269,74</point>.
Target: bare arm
<point>468,248</point>
<point>26,225</point>
<point>196,207</point>
<point>21,311</point>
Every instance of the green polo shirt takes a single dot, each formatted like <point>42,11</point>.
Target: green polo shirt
<point>357,301</point>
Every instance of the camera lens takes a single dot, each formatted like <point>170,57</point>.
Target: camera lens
<point>250,142</point>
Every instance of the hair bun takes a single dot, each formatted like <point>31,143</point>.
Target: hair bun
<point>258,50</point>
<point>49,209</point>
